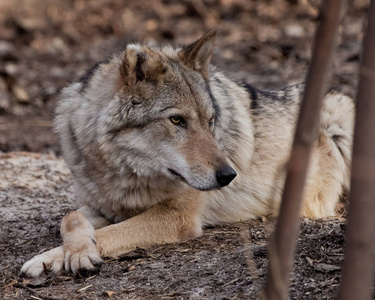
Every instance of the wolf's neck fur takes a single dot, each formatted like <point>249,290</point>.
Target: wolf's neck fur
<point>121,197</point>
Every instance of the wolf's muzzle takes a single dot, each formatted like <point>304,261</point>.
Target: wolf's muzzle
<point>225,175</point>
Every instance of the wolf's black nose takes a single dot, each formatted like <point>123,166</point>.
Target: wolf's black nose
<point>225,175</point>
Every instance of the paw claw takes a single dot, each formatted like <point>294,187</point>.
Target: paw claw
<point>88,272</point>
<point>79,258</point>
<point>97,263</point>
<point>82,258</point>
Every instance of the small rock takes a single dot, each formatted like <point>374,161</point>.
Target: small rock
<point>151,25</point>
<point>11,69</point>
<point>5,48</point>
<point>20,94</point>
<point>4,101</point>
<point>59,45</point>
<point>294,31</point>
<point>50,90</point>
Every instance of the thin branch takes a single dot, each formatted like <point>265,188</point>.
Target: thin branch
<point>359,262</point>
<point>282,244</point>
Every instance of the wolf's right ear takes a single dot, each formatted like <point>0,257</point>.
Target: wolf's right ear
<point>132,67</point>
<point>198,54</point>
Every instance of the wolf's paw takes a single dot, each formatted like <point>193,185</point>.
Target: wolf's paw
<point>42,264</point>
<point>82,257</point>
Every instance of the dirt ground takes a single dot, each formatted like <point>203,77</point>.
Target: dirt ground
<point>227,262</point>
<point>45,44</point>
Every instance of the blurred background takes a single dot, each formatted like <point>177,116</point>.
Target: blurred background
<point>44,44</point>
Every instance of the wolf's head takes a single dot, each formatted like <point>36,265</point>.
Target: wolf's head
<point>162,119</point>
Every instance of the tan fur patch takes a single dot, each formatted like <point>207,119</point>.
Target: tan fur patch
<point>72,222</point>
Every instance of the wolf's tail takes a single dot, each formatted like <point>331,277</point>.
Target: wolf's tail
<point>337,120</point>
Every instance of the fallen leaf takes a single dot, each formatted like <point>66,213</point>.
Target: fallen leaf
<point>326,268</point>
<point>110,293</point>
<point>309,261</point>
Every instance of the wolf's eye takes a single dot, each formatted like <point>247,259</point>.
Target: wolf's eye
<point>211,122</point>
<point>177,120</point>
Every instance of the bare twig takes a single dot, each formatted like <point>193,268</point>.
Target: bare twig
<point>84,288</point>
<point>32,291</point>
<point>282,244</point>
<point>251,265</point>
<point>358,267</point>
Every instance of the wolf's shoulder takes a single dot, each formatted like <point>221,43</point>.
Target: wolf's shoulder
<point>280,95</point>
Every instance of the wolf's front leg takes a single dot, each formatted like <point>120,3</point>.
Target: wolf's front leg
<point>79,251</point>
<point>172,221</point>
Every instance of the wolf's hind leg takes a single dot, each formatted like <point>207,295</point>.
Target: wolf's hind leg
<point>325,180</point>
<point>79,251</point>
<point>329,171</point>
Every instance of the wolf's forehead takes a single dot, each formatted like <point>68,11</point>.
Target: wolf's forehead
<point>195,96</point>
<point>193,90</point>
<point>185,86</point>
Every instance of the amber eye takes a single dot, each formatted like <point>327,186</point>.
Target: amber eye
<point>177,120</point>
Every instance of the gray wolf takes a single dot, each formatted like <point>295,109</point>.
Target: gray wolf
<point>161,144</point>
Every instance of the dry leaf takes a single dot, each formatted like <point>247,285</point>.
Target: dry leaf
<point>110,293</point>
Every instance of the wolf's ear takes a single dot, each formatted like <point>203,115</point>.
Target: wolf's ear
<point>140,64</point>
<point>132,69</point>
<point>198,54</point>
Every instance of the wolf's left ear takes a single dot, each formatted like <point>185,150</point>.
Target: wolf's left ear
<point>198,54</point>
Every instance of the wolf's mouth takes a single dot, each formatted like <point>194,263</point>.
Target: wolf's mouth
<point>176,174</point>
